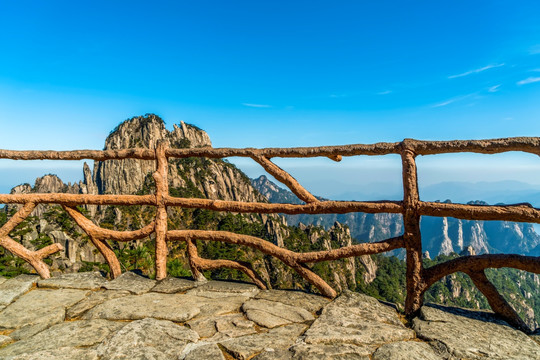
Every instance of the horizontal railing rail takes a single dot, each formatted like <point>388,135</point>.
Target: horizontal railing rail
<point>419,279</point>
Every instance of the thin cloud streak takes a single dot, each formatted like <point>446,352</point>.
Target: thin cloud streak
<point>494,88</point>
<point>257,105</point>
<point>444,103</point>
<point>529,80</point>
<point>384,92</point>
<point>475,71</point>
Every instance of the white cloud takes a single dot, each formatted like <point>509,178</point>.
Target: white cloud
<point>335,96</point>
<point>528,80</point>
<point>257,105</point>
<point>384,92</point>
<point>494,88</point>
<point>475,71</point>
<point>444,103</point>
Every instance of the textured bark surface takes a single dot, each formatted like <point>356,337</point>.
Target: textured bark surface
<point>418,279</point>
<point>412,237</point>
<point>162,190</point>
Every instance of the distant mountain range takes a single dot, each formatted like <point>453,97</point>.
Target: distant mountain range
<point>439,235</point>
<point>492,192</point>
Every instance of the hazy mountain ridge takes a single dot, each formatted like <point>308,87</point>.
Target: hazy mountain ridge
<point>439,235</point>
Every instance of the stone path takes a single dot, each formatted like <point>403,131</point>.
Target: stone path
<point>85,317</point>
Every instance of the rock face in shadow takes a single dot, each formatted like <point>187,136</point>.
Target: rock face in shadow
<point>212,320</point>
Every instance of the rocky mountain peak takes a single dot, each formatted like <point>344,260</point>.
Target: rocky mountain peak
<point>145,131</point>
<point>128,176</point>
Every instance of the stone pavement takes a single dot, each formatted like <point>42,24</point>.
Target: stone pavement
<point>85,317</point>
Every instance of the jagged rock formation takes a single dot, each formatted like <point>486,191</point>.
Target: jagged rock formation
<point>191,177</point>
<point>75,316</point>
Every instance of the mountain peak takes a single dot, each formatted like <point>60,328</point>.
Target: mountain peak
<point>145,131</point>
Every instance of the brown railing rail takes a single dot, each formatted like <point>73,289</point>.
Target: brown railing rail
<point>419,279</point>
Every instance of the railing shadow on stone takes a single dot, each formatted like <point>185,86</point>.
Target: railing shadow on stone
<point>419,279</point>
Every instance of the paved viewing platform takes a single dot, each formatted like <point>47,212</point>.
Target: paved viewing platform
<point>83,316</point>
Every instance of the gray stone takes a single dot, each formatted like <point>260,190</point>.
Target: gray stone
<point>54,316</point>
<point>68,334</point>
<point>217,289</point>
<point>173,285</point>
<point>357,319</point>
<point>204,351</point>
<point>38,307</point>
<point>83,281</point>
<point>271,313</point>
<point>63,353</point>
<point>2,280</point>
<point>15,287</point>
<point>405,350</point>
<point>95,298</point>
<point>222,327</point>
<point>271,354</point>
<point>177,308</point>
<point>331,352</point>
<point>310,302</point>
<point>472,334</point>
<point>147,339</point>
<point>275,339</point>
<point>4,340</point>
<point>131,282</point>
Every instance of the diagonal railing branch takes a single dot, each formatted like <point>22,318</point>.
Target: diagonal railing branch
<point>497,303</point>
<point>100,233</point>
<point>467,264</point>
<point>99,237</point>
<point>290,258</point>
<point>285,178</point>
<point>34,258</point>
<point>17,218</point>
<point>197,264</point>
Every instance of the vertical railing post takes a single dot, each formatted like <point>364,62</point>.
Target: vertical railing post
<point>162,191</point>
<point>412,236</point>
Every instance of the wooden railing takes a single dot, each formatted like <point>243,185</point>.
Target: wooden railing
<point>419,279</point>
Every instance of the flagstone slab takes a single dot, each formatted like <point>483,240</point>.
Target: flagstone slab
<point>172,285</point>
<point>470,334</point>
<point>147,339</point>
<point>63,353</point>
<point>205,352</point>
<point>271,314</point>
<point>222,327</point>
<point>40,306</point>
<point>406,350</point>
<point>83,281</point>
<point>15,287</point>
<point>332,352</point>
<point>311,302</point>
<point>217,289</point>
<point>129,281</point>
<point>178,308</point>
<point>245,347</point>
<point>357,319</point>
<point>95,298</point>
<point>85,333</point>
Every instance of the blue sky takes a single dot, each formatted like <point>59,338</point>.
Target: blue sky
<point>276,73</point>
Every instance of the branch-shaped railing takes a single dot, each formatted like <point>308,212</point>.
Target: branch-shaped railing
<point>419,279</point>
